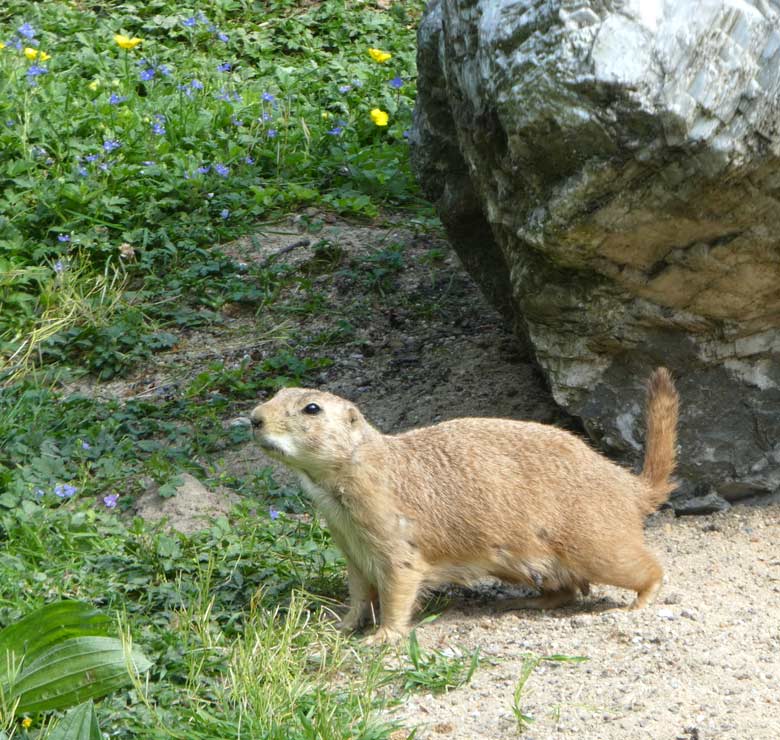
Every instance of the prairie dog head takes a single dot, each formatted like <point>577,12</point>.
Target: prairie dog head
<point>309,430</point>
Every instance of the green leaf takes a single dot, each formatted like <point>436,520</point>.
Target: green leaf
<point>80,723</point>
<point>32,635</point>
<point>73,671</point>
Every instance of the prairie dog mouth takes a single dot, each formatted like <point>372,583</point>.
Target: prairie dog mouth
<point>269,446</point>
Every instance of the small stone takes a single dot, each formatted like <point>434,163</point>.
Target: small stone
<point>709,504</point>
<point>666,614</point>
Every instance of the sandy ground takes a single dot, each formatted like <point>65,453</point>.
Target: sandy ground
<point>703,662</point>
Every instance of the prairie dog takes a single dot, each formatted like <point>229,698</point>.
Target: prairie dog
<point>524,502</point>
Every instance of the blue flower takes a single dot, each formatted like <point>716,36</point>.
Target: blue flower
<point>224,213</point>
<point>223,37</point>
<point>268,97</point>
<point>38,492</point>
<point>266,117</point>
<point>396,83</point>
<point>64,490</point>
<point>26,30</point>
<point>271,133</point>
<point>109,145</point>
<point>249,159</point>
<point>164,70</point>
<point>59,266</point>
<point>236,122</point>
<point>34,70</point>
<point>224,67</point>
<point>196,85</point>
<point>273,513</point>
<point>85,445</point>
<point>203,169</point>
<point>223,94</point>
<point>82,171</point>
<point>190,22</point>
<point>147,74</point>
<point>117,99</point>
<point>158,128</point>
<point>343,89</point>
<point>63,237</point>
<point>110,500</point>
<point>222,169</point>
<point>336,131</point>
<point>91,157</point>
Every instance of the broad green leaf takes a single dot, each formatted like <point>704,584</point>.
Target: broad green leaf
<point>73,671</point>
<point>32,635</point>
<point>80,723</point>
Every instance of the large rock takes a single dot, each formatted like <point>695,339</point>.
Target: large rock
<point>610,173</point>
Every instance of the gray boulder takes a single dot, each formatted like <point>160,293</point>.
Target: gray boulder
<point>610,174</point>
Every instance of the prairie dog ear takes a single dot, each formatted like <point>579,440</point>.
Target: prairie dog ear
<point>352,414</point>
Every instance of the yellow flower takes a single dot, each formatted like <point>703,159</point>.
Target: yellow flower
<point>379,56</point>
<point>33,54</point>
<point>125,42</point>
<point>326,115</point>
<point>26,722</point>
<point>379,117</point>
<point>2,45</point>
<point>94,85</point>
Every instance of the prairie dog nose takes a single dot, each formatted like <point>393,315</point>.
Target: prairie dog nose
<point>256,419</point>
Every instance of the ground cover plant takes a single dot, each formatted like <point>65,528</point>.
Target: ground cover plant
<point>136,138</point>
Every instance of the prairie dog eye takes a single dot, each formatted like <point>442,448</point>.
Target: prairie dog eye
<point>312,408</point>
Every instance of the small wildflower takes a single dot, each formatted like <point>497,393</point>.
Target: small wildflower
<point>33,54</point>
<point>221,169</point>
<point>271,133</point>
<point>64,490</point>
<point>249,159</point>
<point>273,513</point>
<point>35,70</point>
<point>203,169</point>
<point>379,56</point>
<point>379,117</point>
<point>85,445</point>
<point>94,85</point>
<point>223,94</point>
<point>115,99</point>
<point>126,251</point>
<point>336,131</point>
<point>147,74</point>
<point>196,85</point>
<point>158,125</point>
<point>268,98</point>
<point>164,70</point>
<point>26,723</point>
<point>396,83</point>
<point>63,237</point>
<point>110,145</point>
<point>223,37</point>
<point>224,214</point>
<point>357,83</point>
<point>91,157</point>
<point>82,171</point>
<point>326,115</point>
<point>344,89</point>
<point>110,500</point>
<point>265,117</point>
<point>190,22</point>
<point>38,492</point>
<point>236,121</point>
<point>125,42</point>
<point>26,30</point>
<point>224,67</point>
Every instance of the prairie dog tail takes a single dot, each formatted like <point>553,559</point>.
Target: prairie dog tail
<point>661,437</point>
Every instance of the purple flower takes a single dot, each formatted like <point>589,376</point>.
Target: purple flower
<point>59,266</point>
<point>224,214</point>
<point>203,169</point>
<point>91,157</point>
<point>271,133</point>
<point>268,98</point>
<point>196,85</point>
<point>273,513</point>
<point>110,500</point>
<point>344,89</point>
<point>147,74</point>
<point>190,22</point>
<point>236,122</point>
<point>64,490</point>
<point>26,30</point>
<point>109,145</point>
<point>34,70</point>
<point>105,166</point>
<point>223,37</point>
<point>224,67</point>
<point>336,131</point>
<point>221,169</point>
<point>82,171</point>
<point>396,83</point>
<point>164,70</point>
<point>63,237</point>
<point>85,445</point>
<point>158,125</point>
<point>249,159</point>
<point>265,117</point>
<point>117,99</point>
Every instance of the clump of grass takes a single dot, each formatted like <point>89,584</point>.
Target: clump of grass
<point>530,664</point>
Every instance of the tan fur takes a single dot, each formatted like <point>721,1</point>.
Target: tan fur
<point>524,502</point>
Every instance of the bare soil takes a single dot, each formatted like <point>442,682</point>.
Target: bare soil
<point>413,342</point>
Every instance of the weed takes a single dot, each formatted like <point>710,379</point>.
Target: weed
<point>436,671</point>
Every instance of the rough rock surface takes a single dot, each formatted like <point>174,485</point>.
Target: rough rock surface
<point>608,171</point>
